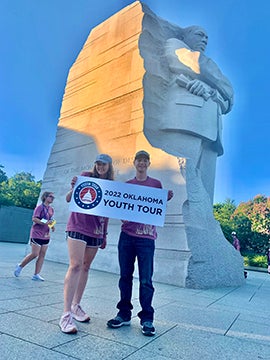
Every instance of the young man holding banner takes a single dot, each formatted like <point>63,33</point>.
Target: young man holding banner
<point>137,240</point>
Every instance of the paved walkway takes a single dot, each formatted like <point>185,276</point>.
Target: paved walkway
<point>216,324</point>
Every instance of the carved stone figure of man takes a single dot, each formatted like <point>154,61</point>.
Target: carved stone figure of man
<point>198,94</point>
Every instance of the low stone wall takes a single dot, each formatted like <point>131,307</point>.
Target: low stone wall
<point>15,224</point>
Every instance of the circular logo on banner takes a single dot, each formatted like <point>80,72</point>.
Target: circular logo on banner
<point>88,195</point>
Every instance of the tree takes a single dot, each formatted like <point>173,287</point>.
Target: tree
<point>242,226</point>
<point>223,213</point>
<point>24,176</point>
<point>250,220</point>
<point>20,190</point>
<point>3,191</point>
<point>3,176</point>
<point>260,216</point>
<point>253,219</point>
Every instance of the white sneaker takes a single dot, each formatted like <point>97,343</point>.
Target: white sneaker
<point>37,277</point>
<point>79,314</point>
<point>17,270</point>
<point>67,325</point>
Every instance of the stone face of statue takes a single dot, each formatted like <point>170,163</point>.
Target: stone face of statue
<point>196,38</point>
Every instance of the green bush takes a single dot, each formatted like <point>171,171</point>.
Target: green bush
<point>255,260</point>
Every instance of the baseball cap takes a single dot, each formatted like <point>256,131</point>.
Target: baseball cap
<point>141,154</point>
<point>104,158</point>
<point>233,233</point>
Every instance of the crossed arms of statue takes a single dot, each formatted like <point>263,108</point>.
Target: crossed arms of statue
<point>207,82</point>
<point>199,88</point>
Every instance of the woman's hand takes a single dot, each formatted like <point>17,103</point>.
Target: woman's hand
<point>40,221</point>
<point>73,181</point>
<point>69,194</point>
<point>104,244</point>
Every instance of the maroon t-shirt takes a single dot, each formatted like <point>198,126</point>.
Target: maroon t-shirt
<point>138,229</point>
<point>39,231</point>
<point>90,225</point>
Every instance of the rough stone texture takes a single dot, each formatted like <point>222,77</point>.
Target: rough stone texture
<point>103,110</point>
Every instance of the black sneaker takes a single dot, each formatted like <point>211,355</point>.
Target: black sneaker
<point>117,322</point>
<point>148,328</point>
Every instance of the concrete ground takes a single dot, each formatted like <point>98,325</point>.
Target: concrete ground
<point>223,323</point>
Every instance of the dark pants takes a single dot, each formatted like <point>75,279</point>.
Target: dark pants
<point>130,247</point>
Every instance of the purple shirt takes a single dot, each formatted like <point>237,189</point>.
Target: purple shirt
<point>236,243</point>
<point>39,231</point>
<point>90,225</point>
<point>138,229</point>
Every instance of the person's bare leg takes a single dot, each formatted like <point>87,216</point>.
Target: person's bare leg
<point>89,256</point>
<point>40,259</point>
<point>35,249</point>
<point>76,250</point>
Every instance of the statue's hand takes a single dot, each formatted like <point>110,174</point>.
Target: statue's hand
<point>197,87</point>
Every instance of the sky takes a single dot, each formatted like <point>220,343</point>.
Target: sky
<point>41,39</point>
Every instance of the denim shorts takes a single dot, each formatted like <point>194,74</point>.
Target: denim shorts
<point>90,241</point>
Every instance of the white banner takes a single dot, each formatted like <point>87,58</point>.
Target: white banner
<point>112,199</point>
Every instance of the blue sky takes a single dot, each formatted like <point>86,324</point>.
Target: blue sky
<point>40,40</point>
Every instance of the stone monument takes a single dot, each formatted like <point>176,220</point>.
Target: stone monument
<point>122,95</point>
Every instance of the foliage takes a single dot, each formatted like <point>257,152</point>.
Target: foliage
<point>3,176</point>
<point>250,220</point>
<point>20,190</point>
<point>223,213</point>
<point>255,260</point>
<point>253,218</point>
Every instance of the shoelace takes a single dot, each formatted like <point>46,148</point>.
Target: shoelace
<point>68,320</point>
<point>79,311</point>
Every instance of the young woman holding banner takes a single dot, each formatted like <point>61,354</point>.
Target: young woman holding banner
<point>85,234</point>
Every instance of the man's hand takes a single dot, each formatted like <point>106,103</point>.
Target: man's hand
<point>170,194</point>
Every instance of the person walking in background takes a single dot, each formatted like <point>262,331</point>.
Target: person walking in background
<point>85,234</point>
<point>137,240</point>
<point>39,235</point>
<point>236,242</point>
<point>237,246</point>
<point>268,259</point>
